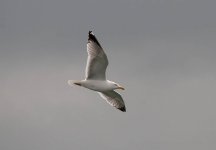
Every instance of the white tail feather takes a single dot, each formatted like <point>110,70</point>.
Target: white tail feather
<point>74,82</point>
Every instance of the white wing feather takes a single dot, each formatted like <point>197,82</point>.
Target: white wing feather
<point>97,61</point>
<point>114,99</point>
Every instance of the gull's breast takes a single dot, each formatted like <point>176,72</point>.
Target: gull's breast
<point>96,85</point>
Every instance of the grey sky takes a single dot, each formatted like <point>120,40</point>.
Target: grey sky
<point>162,51</point>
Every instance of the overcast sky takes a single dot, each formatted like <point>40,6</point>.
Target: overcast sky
<point>162,51</point>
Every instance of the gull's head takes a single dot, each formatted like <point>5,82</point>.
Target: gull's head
<point>116,86</point>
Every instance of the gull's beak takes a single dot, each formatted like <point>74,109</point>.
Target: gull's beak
<point>122,88</point>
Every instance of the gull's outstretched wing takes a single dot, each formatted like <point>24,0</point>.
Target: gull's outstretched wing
<point>114,99</point>
<point>97,61</point>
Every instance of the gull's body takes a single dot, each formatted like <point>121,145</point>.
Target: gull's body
<point>96,85</point>
<point>95,80</point>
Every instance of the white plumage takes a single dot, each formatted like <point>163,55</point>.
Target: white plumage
<point>97,63</point>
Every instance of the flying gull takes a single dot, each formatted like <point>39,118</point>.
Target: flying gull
<point>95,80</point>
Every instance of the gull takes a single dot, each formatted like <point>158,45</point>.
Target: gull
<point>95,75</point>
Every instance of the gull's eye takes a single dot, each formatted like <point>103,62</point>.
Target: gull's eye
<point>115,84</point>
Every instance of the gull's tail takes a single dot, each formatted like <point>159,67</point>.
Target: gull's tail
<point>74,82</point>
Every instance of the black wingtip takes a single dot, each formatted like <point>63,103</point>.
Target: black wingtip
<point>91,37</point>
<point>123,109</point>
<point>90,32</point>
